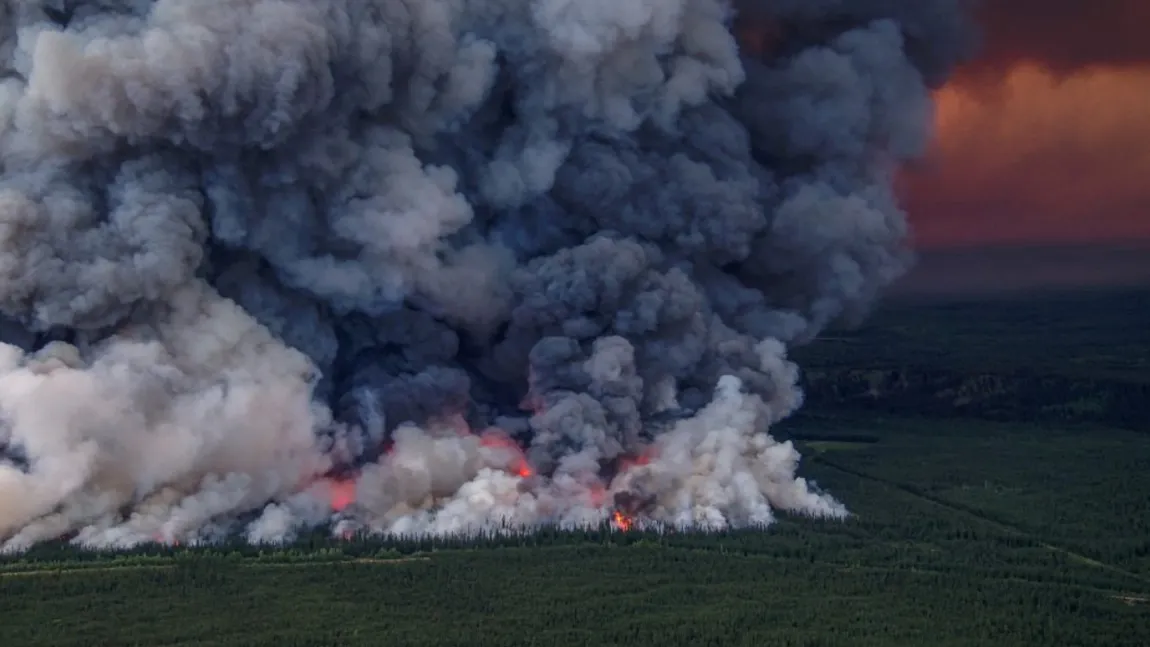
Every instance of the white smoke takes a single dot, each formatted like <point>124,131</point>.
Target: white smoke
<point>264,262</point>
<point>200,414</point>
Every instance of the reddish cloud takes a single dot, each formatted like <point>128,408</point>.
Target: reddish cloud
<point>1045,137</point>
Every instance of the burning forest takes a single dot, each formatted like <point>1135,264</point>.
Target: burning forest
<point>426,267</point>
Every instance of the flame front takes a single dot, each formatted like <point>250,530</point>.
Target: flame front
<point>371,294</point>
<point>342,493</point>
<point>497,439</point>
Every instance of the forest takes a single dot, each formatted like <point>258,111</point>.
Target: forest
<point>964,532</point>
<point>1066,358</point>
<point>977,519</point>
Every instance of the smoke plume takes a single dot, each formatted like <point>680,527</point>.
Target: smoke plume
<point>436,266</point>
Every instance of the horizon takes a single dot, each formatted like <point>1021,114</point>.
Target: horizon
<point>1004,269</point>
<point>1040,138</point>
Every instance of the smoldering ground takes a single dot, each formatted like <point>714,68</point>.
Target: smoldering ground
<point>435,266</point>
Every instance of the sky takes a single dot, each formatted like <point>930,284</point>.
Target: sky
<point>1044,138</point>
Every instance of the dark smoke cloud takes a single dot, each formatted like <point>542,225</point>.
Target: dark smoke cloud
<point>1063,35</point>
<point>255,250</point>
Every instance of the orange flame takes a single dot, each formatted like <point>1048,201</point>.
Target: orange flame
<point>622,522</point>
<point>496,439</point>
<point>342,493</point>
<point>644,457</point>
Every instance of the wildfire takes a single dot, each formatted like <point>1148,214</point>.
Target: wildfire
<point>622,522</point>
<point>342,493</point>
<point>597,494</point>
<point>496,439</point>
<point>627,462</point>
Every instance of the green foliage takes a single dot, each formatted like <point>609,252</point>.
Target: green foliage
<point>963,533</point>
<point>1081,357</point>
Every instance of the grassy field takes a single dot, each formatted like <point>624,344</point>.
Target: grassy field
<point>965,533</point>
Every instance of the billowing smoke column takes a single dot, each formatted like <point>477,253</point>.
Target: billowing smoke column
<point>435,266</point>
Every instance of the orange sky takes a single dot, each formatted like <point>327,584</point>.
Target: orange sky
<point>1046,137</point>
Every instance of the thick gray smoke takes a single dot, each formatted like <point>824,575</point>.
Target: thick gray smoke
<point>435,266</point>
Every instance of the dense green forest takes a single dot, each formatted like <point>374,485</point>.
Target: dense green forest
<point>1073,357</point>
<point>964,533</point>
<point>993,456</point>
